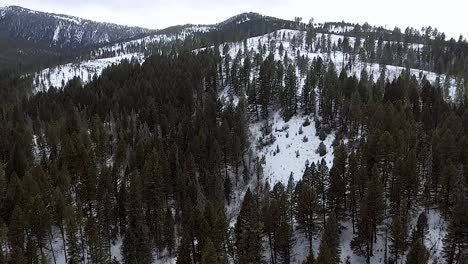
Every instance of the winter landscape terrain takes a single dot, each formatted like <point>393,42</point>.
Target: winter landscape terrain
<point>294,152</point>
<point>279,147</point>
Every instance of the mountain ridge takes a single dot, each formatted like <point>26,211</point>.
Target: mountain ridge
<point>62,31</point>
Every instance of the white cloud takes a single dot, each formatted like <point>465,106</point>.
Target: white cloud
<point>448,16</point>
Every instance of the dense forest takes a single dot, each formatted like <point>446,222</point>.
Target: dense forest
<point>147,158</point>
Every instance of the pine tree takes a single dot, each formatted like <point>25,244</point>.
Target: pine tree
<point>94,241</point>
<point>248,231</point>
<point>169,231</point>
<point>265,85</point>
<point>322,149</point>
<point>105,213</point>
<point>59,216</point>
<point>209,255</point>
<point>290,199</point>
<point>418,253</point>
<point>16,235</point>
<point>3,183</point>
<point>370,216</point>
<point>289,95</point>
<point>136,246</point>
<point>183,254</point>
<point>409,178</point>
<point>322,187</point>
<point>449,177</point>
<point>306,209</point>
<point>284,242</point>
<point>337,190</point>
<point>456,240</point>
<point>397,237</point>
<point>275,215</point>
<point>421,229</point>
<point>353,187</point>
<point>329,252</point>
<point>39,222</point>
<point>73,243</point>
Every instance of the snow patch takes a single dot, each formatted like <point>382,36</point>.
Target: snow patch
<point>56,34</point>
<point>60,75</point>
<point>293,151</point>
<point>74,20</point>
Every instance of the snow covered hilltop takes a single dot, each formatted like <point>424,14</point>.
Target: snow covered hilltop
<point>254,140</point>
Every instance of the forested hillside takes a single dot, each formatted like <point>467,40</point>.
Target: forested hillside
<point>256,140</point>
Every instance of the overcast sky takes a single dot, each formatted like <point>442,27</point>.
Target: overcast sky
<point>450,16</point>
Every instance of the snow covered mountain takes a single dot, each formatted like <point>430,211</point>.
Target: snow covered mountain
<point>61,31</point>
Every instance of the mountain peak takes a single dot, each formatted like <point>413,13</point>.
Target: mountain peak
<point>241,18</point>
<point>15,8</point>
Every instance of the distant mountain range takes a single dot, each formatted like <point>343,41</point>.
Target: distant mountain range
<point>30,37</point>
<point>33,39</point>
<point>61,31</point>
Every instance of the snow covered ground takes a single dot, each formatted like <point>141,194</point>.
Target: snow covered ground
<point>60,75</point>
<point>293,151</point>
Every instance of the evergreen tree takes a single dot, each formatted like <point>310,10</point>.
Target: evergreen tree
<point>308,93</point>
<point>456,242</point>
<point>284,243</point>
<point>73,242</point>
<point>322,187</point>
<point>306,210</point>
<point>248,231</point>
<point>59,217</point>
<point>169,231</point>
<point>421,229</point>
<point>209,254</point>
<point>397,237</point>
<point>289,95</point>
<point>136,245</point>
<point>330,251</point>
<point>370,216</point>
<point>418,254</point>
<point>16,235</point>
<point>337,190</point>
<point>183,254</point>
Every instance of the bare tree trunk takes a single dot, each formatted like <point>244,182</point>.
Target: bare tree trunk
<point>83,251</point>
<point>52,247</point>
<point>64,243</point>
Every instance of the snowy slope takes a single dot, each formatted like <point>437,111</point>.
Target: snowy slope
<point>279,166</point>
<point>340,60</point>
<point>141,48</point>
<point>60,75</point>
<point>138,49</point>
<point>294,153</point>
<point>146,43</point>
